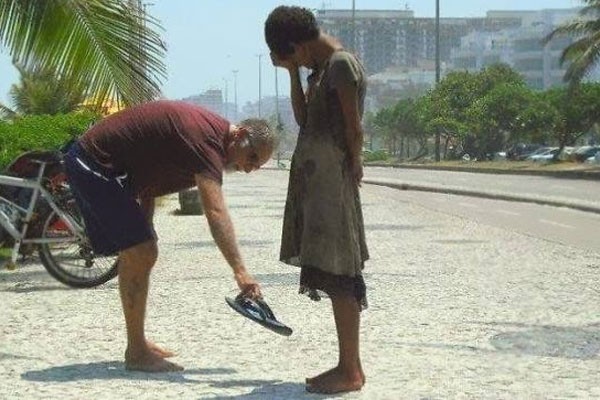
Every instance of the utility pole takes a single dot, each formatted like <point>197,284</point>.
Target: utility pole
<point>278,117</point>
<point>259,85</point>
<point>235,72</point>
<point>354,26</point>
<point>226,100</point>
<point>437,71</point>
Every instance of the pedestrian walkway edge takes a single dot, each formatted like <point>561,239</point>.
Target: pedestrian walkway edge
<point>484,194</point>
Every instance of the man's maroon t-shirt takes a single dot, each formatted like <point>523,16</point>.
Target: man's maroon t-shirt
<point>160,145</point>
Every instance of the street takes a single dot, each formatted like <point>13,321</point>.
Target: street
<point>586,191</point>
<point>459,307</point>
<point>556,224</point>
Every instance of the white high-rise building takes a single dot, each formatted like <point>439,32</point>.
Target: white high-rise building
<point>522,48</point>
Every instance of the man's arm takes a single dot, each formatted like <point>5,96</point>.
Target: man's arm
<point>223,233</point>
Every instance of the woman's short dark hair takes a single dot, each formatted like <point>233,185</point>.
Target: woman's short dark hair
<point>289,24</point>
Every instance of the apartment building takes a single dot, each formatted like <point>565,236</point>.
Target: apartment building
<point>396,38</point>
<point>522,48</point>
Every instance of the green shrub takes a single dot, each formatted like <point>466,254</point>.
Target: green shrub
<point>40,132</point>
<point>378,155</point>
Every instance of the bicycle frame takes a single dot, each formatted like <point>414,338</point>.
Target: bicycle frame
<point>26,214</point>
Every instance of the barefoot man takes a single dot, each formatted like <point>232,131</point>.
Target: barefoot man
<point>122,163</point>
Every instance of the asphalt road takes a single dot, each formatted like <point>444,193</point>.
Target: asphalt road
<point>555,224</point>
<point>585,191</point>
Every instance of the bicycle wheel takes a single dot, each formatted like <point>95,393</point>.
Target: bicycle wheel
<point>73,263</point>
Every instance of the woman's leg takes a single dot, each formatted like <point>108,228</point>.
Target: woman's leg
<point>348,374</point>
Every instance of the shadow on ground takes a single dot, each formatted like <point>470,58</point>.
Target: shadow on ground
<point>114,370</point>
<point>280,390</point>
<point>581,343</point>
<point>109,370</point>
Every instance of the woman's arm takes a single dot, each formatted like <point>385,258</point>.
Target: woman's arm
<point>296,92</point>
<point>348,97</point>
<point>298,97</point>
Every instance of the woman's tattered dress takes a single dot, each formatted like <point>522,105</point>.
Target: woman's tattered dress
<point>323,229</point>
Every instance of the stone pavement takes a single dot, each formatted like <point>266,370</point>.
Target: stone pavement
<point>457,310</point>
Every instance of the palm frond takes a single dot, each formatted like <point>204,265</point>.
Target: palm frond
<point>584,52</point>
<point>583,55</point>
<point>7,113</point>
<point>102,44</point>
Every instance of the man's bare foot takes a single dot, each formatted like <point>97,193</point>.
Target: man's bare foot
<point>335,381</point>
<point>159,351</point>
<point>149,362</point>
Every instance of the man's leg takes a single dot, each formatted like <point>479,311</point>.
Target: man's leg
<point>135,264</point>
<point>348,374</point>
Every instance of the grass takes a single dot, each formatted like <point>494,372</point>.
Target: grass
<point>5,253</point>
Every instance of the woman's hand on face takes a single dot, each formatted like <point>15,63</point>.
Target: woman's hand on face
<point>288,64</point>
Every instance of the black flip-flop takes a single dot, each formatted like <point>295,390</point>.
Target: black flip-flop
<point>259,312</point>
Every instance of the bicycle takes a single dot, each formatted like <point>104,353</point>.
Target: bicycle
<point>54,227</point>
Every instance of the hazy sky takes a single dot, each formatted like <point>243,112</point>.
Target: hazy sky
<point>208,39</point>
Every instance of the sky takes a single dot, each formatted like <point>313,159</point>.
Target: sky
<point>208,39</point>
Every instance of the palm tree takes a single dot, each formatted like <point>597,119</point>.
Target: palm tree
<point>109,47</point>
<point>584,52</point>
<point>40,92</point>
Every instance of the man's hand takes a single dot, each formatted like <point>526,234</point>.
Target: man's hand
<point>248,285</point>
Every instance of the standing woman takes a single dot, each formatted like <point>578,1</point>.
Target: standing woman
<point>323,229</point>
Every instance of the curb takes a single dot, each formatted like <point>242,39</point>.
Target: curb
<point>486,195</point>
<point>474,193</point>
<point>592,174</point>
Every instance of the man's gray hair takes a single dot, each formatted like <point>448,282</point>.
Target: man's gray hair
<point>260,133</point>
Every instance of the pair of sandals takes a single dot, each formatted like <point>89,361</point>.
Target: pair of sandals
<point>258,310</point>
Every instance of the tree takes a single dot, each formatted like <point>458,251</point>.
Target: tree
<point>107,46</point>
<point>579,109</point>
<point>384,121</point>
<point>584,52</point>
<point>507,114</point>
<point>406,124</point>
<point>40,92</point>
<point>455,95</point>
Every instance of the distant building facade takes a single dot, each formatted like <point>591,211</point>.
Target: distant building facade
<point>395,38</point>
<point>522,47</point>
<point>398,49</point>
<point>212,100</point>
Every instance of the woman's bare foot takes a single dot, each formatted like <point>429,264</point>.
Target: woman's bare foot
<point>309,381</point>
<point>335,381</point>
<point>149,361</point>
<point>159,351</point>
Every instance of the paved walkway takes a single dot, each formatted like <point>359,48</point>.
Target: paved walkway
<point>457,310</point>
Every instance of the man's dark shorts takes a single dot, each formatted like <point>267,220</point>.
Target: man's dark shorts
<point>113,218</point>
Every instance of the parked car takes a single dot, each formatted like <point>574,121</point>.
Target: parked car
<point>537,152</point>
<point>594,159</point>
<point>584,152</point>
<point>520,151</point>
<point>544,156</point>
